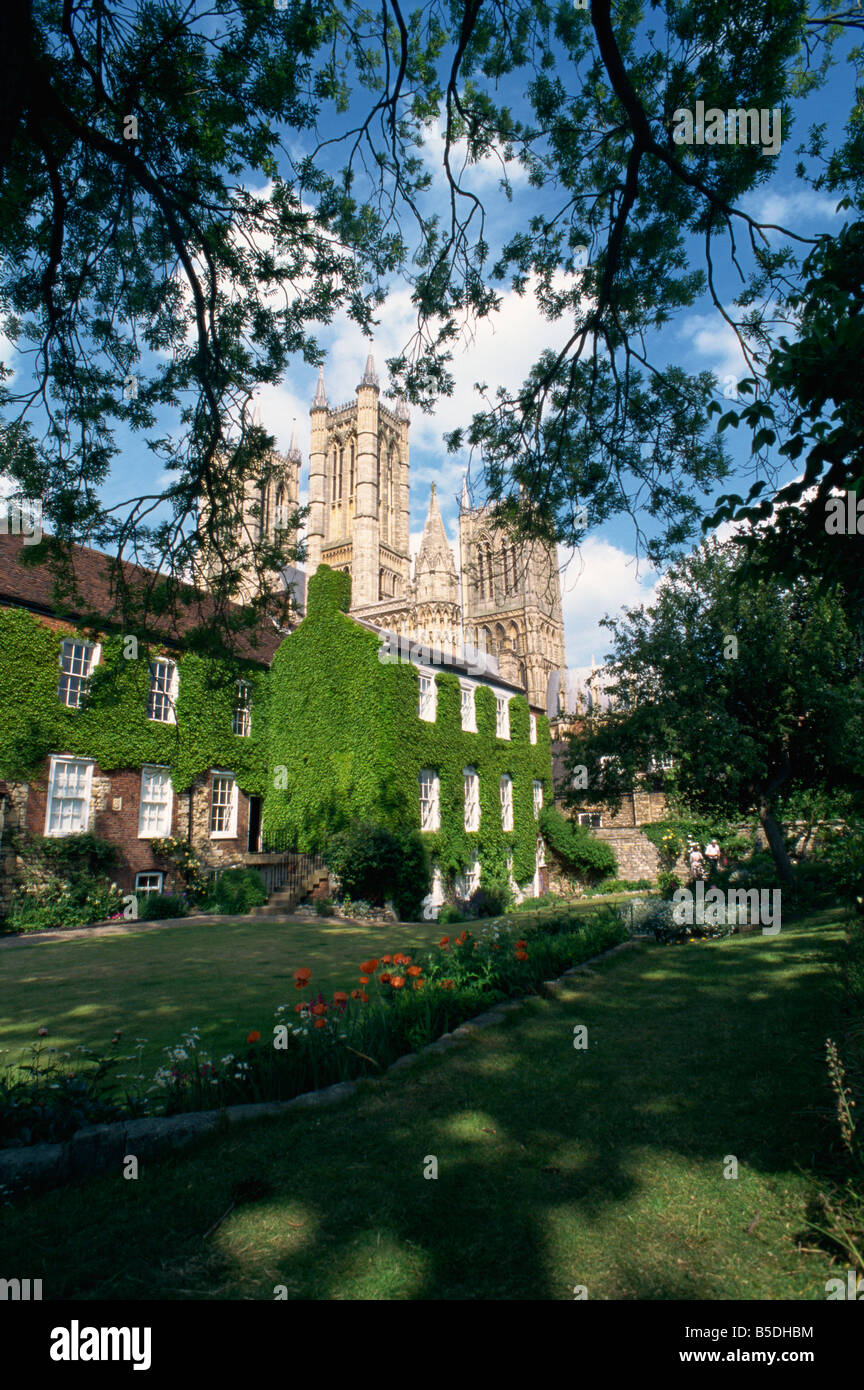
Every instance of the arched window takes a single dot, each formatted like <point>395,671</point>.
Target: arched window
<point>341,471</point>
<point>351,471</point>
<point>280,510</point>
<point>333,487</point>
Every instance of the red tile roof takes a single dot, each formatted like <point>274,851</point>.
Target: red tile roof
<point>95,597</point>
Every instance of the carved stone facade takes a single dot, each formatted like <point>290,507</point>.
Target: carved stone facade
<point>359,518</point>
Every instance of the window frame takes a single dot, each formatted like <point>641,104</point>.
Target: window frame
<point>140,891</point>
<point>427,697</point>
<point>505,794</point>
<point>169,694</point>
<point>502,716</point>
<point>84,678</point>
<point>593,820</point>
<point>471,692</point>
<point>433,801</point>
<point>243,710</point>
<point>168,802</point>
<point>56,760</point>
<point>231,832</point>
<point>537,791</point>
<point>471,775</point>
<point>532,727</point>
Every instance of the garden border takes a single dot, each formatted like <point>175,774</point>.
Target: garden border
<point>96,1148</point>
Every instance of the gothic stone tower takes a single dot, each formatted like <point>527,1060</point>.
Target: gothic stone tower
<point>437,616</point>
<point>511,600</point>
<point>358,496</point>
<point>269,502</point>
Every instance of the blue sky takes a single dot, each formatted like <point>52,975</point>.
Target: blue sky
<point>499,351</point>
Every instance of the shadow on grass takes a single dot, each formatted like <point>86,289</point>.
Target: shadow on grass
<point>557,1167</point>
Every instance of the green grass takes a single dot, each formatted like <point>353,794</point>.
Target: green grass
<point>557,1167</point>
<point>226,977</point>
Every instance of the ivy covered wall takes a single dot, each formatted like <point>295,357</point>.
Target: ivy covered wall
<point>346,743</point>
<point>112,726</point>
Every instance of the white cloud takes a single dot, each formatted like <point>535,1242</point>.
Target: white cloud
<point>713,339</point>
<point>598,581</point>
<point>790,210</point>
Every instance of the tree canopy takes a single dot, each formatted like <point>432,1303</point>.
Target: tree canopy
<point>754,689</point>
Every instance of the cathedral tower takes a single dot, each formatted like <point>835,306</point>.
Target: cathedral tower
<point>358,494</point>
<point>511,600</point>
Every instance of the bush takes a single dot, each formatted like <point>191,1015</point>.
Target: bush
<point>374,864</point>
<point>576,847</point>
<point>234,892</point>
<point>449,914</point>
<point>49,900</point>
<point>491,901</point>
<point>324,907</point>
<point>667,882</point>
<point>45,1101</point>
<point>622,885</point>
<point>157,906</point>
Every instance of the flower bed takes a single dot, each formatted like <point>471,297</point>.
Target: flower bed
<point>397,1005</point>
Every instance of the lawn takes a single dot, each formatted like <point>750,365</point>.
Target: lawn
<point>557,1167</point>
<point>225,977</point>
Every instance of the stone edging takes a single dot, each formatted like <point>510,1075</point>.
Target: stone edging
<point>95,1148</point>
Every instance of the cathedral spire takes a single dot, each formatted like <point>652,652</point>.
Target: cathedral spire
<point>465,501</point>
<point>294,448</point>
<point>320,401</point>
<point>370,376</point>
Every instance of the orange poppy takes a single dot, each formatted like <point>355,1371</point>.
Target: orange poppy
<point>320,1023</point>
<point>461,938</point>
<point>356,994</point>
<point>254,1036</point>
<point>369,967</point>
<point>447,984</point>
<point>385,977</point>
<point>418,984</point>
<point>521,945</point>
<point>340,997</point>
<point>521,955</point>
<point>445,941</point>
<point>398,981</point>
<point>364,980</point>
<point>386,960</point>
<point>302,977</point>
<point>414,970</point>
<point>319,1009</point>
<point>364,998</point>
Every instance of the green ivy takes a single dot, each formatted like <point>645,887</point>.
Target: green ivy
<point>575,847</point>
<point>112,726</point>
<point>347,745</point>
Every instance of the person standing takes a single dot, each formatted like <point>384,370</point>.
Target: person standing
<point>697,863</point>
<point>712,855</point>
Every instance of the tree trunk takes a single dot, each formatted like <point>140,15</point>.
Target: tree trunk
<point>775,842</point>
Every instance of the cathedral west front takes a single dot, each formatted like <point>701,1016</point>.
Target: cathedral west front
<point>504,598</point>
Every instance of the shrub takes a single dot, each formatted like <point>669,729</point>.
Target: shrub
<point>44,1100</point>
<point>576,847</point>
<point>374,864</point>
<point>449,914</point>
<point>235,891</point>
<point>324,907</point>
<point>667,882</point>
<point>621,885</point>
<point>157,906</point>
<point>489,901</point>
<point>75,900</point>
